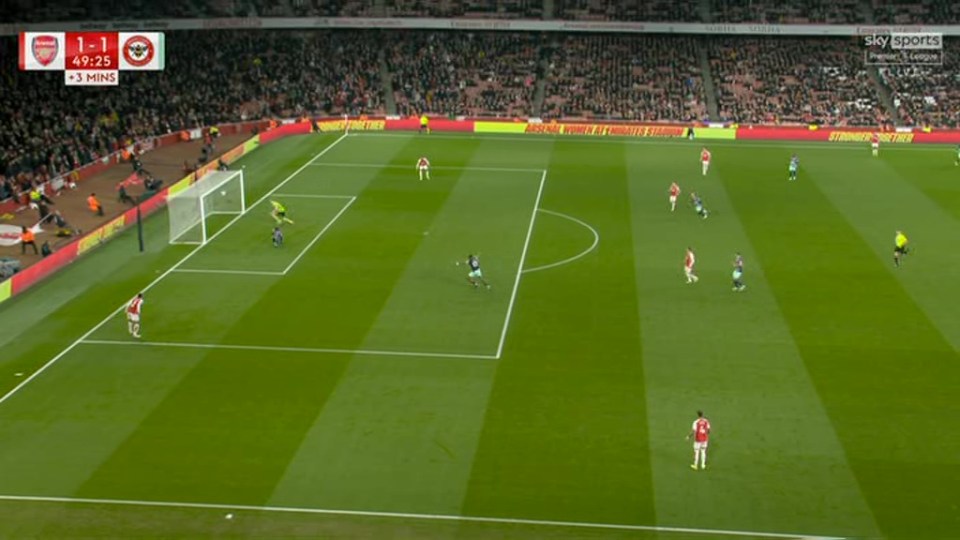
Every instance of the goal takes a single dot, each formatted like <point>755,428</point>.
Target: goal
<point>193,210</point>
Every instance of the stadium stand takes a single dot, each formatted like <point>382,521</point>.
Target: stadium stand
<point>499,9</point>
<point>236,76</point>
<point>628,10</point>
<point>793,80</point>
<point>649,78</point>
<point>926,95</point>
<point>490,74</point>
<point>787,11</point>
<point>915,12</point>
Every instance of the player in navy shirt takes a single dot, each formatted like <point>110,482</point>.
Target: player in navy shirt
<point>738,273</point>
<point>698,205</point>
<point>475,277</point>
<point>277,237</point>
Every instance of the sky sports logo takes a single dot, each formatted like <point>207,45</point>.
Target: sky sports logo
<point>904,49</point>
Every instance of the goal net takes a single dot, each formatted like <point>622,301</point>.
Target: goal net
<point>193,210</point>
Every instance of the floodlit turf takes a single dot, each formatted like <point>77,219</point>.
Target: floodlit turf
<point>354,369</point>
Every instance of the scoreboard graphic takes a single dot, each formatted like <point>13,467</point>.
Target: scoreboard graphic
<point>91,58</point>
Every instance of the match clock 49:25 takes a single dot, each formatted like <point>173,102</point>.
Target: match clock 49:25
<point>92,50</point>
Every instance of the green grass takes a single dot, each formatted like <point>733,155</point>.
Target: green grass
<point>355,369</point>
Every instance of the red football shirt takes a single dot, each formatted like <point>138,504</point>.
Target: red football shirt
<point>134,307</point>
<point>705,155</point>
<point>701,430</point>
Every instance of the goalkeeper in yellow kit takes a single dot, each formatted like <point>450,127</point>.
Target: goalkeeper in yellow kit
<point>899,248</point>
<point>279,213</point>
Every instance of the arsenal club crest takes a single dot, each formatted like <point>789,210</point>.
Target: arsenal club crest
<point>45,49</point>
<point>138,51</point>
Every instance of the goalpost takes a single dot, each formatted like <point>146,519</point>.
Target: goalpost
<point>216,193</point>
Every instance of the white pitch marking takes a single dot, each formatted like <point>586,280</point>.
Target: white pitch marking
<point>523,258</point>
<point>13,391</point>
<point>424,517</point>
<point>596,240</point>
<point>308,196</point>
<point>270,348</point>
<point>443,168</point>
<point>235,272</point>
<point>319,234</point>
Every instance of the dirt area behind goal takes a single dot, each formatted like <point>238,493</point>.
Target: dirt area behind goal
<point>165,163</point>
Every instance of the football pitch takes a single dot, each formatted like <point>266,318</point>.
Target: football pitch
<point>353,384</point>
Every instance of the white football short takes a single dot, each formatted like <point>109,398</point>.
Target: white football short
<point>133,317</point>
<point>697,446</point>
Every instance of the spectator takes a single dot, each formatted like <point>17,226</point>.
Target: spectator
<point>27,239</point>
<point>123,196</point>
<point>94,205</point>
<point>45,249</point>
<point>63,227</point>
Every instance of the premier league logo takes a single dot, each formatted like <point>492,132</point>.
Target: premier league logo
<point>45,49</point>
<point>138,51</point>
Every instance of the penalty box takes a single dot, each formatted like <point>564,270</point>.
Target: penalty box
<point>430,310</point>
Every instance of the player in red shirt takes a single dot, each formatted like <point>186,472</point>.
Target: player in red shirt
<point>700,432</point>
<point>674,193</point>
<point>133,315</point>
<point>688,261</point>
<point>423,165</point>
<point>875,144</point>
<point>705,160</point>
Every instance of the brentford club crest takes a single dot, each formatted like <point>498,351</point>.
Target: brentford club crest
<point>138,51</point>
<point>45,49</point>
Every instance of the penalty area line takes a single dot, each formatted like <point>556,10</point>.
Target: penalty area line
<point>413,516</point>
<point>271,348</point>
<point>309,196</point>
<point>329,224</point>
<point>523,259</point>
<point>432,167</point>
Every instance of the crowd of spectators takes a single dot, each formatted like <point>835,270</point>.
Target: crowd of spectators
<point>787,11</point>
<point>926,95</point>
<point>210,77</point>
<point>794,80</point>
<point>628,10</point>
<point>899,12</point>
<point>629,77</point>
<point>82,10</point>
<point>498,9</point>
<point>457,73</point>
<point>915,12</point>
